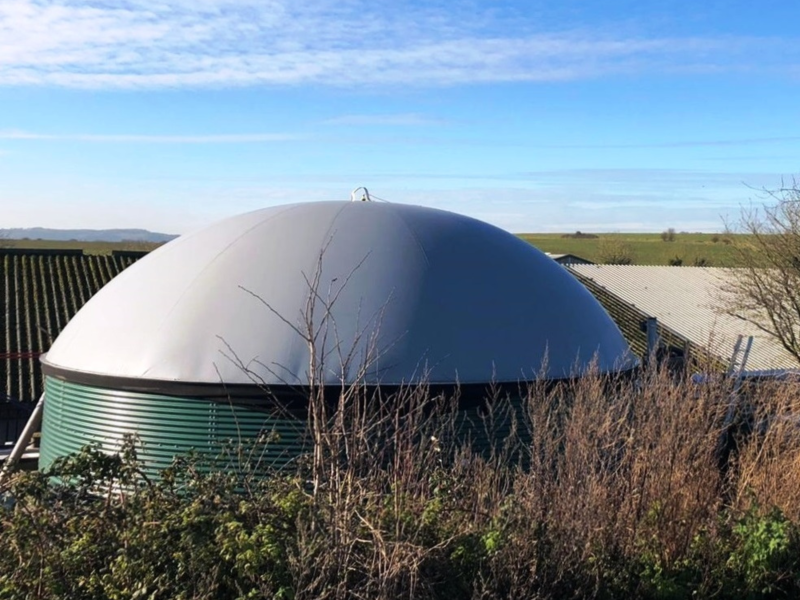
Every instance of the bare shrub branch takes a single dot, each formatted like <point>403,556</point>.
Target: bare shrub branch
<point>766,290</point>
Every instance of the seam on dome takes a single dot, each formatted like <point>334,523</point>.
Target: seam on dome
<point>413,234</point>
<point>208,265</point>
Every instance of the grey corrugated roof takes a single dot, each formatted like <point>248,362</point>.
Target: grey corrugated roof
<point>40,290</point>
<point>689,300</point>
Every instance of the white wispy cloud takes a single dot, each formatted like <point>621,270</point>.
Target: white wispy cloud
<point>698,143</point>
<point>247,138</point>
<point>391,120</point>
<point>152,43</point>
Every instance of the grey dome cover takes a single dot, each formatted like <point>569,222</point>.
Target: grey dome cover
<point>413,293</point>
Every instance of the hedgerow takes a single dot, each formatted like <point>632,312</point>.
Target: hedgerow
<point>599,489</point>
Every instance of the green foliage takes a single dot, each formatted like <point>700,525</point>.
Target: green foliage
<point>607,505</point>
<point>72,532</point>
<point>765,553</point>
<point>753,556</point>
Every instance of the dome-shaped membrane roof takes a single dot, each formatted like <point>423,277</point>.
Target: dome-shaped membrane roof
<point>411,292</point>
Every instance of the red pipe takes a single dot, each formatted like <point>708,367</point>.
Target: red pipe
<point>16,355</point>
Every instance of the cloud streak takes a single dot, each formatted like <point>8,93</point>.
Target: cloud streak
<point>408,120</point>
<point>677,144</point>
<point>215,43</point>
<point>252,138</point>
<point>395,120</point>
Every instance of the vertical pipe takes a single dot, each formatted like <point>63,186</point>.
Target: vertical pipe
<point>651,327</point>
<point>24,439</point>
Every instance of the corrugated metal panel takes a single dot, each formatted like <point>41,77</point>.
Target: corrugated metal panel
<point>76,415</point>
<point>631,321</point>
<point>40,291</point>
<point>689,300</point>
<point>496,429</point>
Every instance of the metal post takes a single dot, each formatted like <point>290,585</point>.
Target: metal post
<point>24,439</point>
<point>651,326</point>
<point>736,369</point>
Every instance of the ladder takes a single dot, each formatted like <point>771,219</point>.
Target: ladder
<point>736,366</point>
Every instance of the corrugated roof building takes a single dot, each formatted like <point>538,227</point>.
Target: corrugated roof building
<point>40,291</point>
<point>568,259</point>
<point>689,301</point>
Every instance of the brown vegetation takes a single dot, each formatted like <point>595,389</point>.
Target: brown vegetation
<point>614,251</point>
<point>591,488</point>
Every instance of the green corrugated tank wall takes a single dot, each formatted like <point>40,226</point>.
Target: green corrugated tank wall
<point>167,426</point>
<point>78,415</point>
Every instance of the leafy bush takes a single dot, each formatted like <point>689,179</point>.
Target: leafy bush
<point>603,488</point>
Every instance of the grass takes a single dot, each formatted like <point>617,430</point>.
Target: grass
<point>645,248</point>
<point>87,247</point>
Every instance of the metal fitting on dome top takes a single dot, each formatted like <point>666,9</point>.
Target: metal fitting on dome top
<point>365,196</point>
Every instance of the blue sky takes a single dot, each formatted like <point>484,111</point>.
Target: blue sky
<point>536,116</point>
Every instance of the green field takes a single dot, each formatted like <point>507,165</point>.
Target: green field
<point>87,247</point>
<point>645,248</point>
<point>717,250</point>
